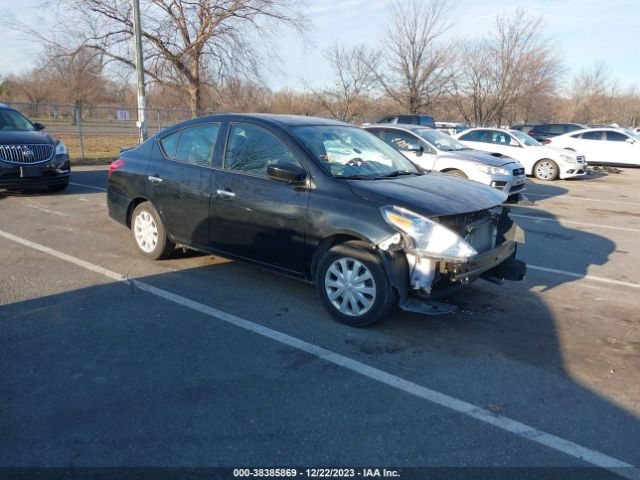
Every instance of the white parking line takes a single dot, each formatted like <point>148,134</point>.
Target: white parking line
<point>586,277</point>
<point>574,197</point>
<point>504,423</point>
<point>595,225</point>
<point>46,210</point>
<point>87,186</point>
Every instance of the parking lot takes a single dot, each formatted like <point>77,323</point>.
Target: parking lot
<point>109,359</point>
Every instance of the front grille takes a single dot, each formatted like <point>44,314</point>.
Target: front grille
<point>477,228</point>
<point>518,171</point>
<point>26,154</point>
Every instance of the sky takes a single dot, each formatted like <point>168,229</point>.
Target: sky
<point>585,31</point>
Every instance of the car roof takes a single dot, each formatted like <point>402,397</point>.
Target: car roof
<point>265,118</point>
<point>398,126</point>
<point>594,129</point>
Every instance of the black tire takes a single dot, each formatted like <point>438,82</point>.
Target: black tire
<point>385,298</point>
<point>58,187</point>
<point>148,215</point>
<point>546,169</point>
<point>456,173</point>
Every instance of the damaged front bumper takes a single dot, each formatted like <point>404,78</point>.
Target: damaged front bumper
<point>430,278</point>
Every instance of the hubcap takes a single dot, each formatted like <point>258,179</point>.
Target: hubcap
<point>350,287</point>
<point>546,170</point>
<point>145,231</point>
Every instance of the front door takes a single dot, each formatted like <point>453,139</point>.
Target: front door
<point>256,217</point>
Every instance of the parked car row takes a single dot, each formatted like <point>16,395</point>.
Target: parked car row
<point>388,215</point>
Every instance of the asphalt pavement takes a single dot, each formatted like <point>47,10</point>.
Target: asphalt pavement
<point>110,360</point>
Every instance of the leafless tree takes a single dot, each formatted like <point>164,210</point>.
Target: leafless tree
<point>593,92</point>
<point>187,43</point>
<point>414,70</point>
<point>348,97</point>
<point>500,75</point>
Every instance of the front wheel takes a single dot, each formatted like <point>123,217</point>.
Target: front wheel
<point>149,233</point>
<point>353,285</point>
<point>546,169</point>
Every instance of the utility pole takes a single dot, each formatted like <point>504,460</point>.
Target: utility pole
<point>142,101</point>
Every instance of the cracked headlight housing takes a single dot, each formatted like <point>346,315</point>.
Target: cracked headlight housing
<point>491,170</point>
<point>429,238</point>
<point>61,149</point>
<point>568,158</point>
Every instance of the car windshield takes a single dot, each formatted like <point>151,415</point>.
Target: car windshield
<point>524,138</point>
<point>350,152</point>
<point>12,120</point>
<point>632,134</point>
<point>440,140</point>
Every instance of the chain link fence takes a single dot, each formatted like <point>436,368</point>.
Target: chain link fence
<point>95,133</point>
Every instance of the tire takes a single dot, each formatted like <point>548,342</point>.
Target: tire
<point>456,173</point>
<point>58,187</point>
<point>376,297</point>
<point>149,234</point>
<point>546,169</point>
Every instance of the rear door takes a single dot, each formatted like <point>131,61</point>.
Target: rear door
<point>180,179</point>
<point>256,217</point>
<point>593,146</point>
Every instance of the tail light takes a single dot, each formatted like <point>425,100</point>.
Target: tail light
<point>113,165</point>
<point>546,141</point>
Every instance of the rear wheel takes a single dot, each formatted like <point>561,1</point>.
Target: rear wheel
<point>353,285</point>
<point>149,233</point>
<point>546,169</point>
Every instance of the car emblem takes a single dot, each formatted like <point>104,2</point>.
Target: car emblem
<point>27,152</point>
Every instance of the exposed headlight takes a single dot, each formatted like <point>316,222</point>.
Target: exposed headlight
<point>61,149</point>
<point>428,237</point>
<point>490,170</point>
<point>568,158</point>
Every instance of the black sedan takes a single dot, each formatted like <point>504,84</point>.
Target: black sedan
<point>28,156</point>
<point>319,200</point>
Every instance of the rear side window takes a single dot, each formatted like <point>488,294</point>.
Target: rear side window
<point>597,135</point>
<point>616,137</point>
<point>251,149</point>
<point>170,144</point>
<point>407,119</point>
<point>196,144</point>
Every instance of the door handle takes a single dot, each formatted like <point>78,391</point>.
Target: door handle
<point>225,193</point>
<point>154,180</point>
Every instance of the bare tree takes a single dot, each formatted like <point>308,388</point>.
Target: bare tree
<point>187,43</point>
<point>593,91</point>
<point>348,97</point>
<point>500,75</point>
<point>414,70</point>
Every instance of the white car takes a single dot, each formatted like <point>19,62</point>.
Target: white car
<point>437,151</point>
<point>615,146</point>
<point>542,161</point>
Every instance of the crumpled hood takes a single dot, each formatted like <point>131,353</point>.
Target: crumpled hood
<point>431,195</point>
<point>12,137</point>
<point>482,157</point>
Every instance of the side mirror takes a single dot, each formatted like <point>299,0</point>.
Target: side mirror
<point>38,126</point>
<point>287,172</point>
<point>630,140</point>
<point>417,149</point>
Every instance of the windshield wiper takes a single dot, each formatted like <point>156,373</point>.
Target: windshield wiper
<point>355,177</point>
<point>397,173</point>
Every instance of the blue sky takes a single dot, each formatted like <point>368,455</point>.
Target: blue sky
<point>586,32</point>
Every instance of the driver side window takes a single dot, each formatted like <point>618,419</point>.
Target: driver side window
<point>252,149</point>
